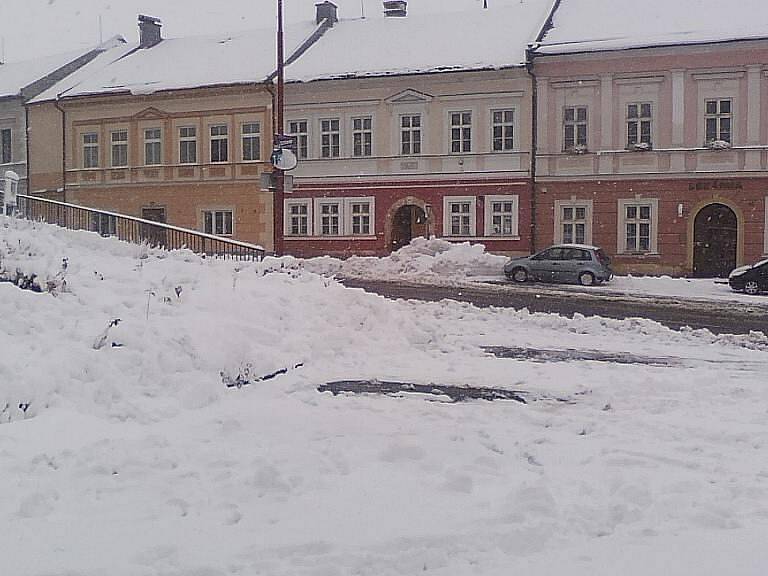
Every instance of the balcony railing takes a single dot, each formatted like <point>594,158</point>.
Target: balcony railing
<point>134,230</point>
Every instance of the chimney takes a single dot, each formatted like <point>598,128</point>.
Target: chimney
<point>149,31</point>
<point>395,8</point>
<point>326,11</point>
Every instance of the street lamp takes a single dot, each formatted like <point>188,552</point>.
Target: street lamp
<point>278,132</point>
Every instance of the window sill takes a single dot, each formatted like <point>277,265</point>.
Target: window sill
<point>367,238</point>
<point>638,255</point>
<point>475,238</point>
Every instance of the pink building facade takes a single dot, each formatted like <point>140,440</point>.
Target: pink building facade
<point>659,155</point>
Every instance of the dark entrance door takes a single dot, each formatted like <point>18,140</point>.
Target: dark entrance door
<point>409,222</point>
<point>715,232</point>
<point>154,235</point>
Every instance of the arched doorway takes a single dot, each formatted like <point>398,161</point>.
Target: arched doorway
<point>715,240</point>
<point>408,222</point>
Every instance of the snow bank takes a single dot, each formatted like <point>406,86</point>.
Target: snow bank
<point>133,458</point>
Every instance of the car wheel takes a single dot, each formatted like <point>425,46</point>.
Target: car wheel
<point>586,279</point>
<point>751,287</point>
<point>519,275</point>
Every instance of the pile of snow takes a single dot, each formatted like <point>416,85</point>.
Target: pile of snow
<point>124,452</point>
<point>432,260</point>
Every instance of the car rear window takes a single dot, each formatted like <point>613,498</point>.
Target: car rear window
<point>603,257</point>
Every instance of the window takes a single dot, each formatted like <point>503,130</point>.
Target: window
<point>362,136</point>
<point>119,148</point>
<point>502,130</point>
<point>298,218</point>
<point>501,215</point>
<point>187,145</point>
<point>459,215</point>
<point>104,224</point>
<point>152,146</point>
<point>361,218</point>
<point>298,128</point>
<point>6,156</point>
<point>90,150</point>
<point>330,218</point>
<point>639,116</point>
<point>219,143</point>
<point>330,138</point>
<point>410,134</point>
<point>717,120</point>
<point>251,137</point>
<point>637,226</point>
<point>217,222</point>
<point>573,221</point>
<point>461,131</point>
<point>574,127</point>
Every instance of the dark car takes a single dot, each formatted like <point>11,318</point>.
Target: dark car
<point>586,265</point>
<point>750,279</point>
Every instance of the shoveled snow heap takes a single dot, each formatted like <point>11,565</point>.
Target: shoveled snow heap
<point>123,452</point>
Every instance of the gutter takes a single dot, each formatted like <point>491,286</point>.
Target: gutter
<point>63,147</point>
<point>530,54</point>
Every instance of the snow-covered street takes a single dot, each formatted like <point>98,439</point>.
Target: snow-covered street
<point>123,451</point>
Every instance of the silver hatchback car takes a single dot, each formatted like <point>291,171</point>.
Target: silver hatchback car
<point>586,265</point>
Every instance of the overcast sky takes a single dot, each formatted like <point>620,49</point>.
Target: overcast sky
<point>34,28</point>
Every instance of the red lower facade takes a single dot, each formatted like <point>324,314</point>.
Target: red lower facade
<point>682,227</point>
<point>376,218</point>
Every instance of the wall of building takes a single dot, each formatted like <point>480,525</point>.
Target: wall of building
<point>12,118</point>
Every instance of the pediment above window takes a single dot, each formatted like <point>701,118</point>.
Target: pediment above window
<point>409,97</point>
<point>151,113</point>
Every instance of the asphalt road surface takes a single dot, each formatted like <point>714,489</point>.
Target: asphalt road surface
<point>719,317</point>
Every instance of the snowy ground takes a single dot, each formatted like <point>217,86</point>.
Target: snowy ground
<point>134,459</point>
<point>437,261</point>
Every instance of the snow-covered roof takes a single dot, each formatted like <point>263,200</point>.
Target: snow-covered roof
<point>472,39</point>
<point>191,62</point>
<point>600,25</point>
<point>15,76</point>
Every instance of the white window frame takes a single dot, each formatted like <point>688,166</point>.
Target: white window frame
<point>349,215</point>
<point>503,125</point>
<point>218,137</point>
<point>559,222</point>
<point>506,198</point>
<point>325,201</point>
<point>288,226</point>
<point>302,137</point>
<point>213,212</point>
<point>718,117</point>
<point>330,133</point>
<point>575,123</point>
<point>113,144</point>
<point>9,150</point>
<point>87,146</point>
<point>462,126</point>
<point>621,246</point>
<point>410,130</point>
<point>638,122</point>
<point>154,142</point>
<point>366,149</point>
<point>186,139</point>
<point>250,136</point>
<point>765,229</point>
<point>450,200</point>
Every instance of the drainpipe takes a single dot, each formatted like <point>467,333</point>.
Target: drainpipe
<point>63,147</point>
<point>26,144</point>
<point>534,138</point>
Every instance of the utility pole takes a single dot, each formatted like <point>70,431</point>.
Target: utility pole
<point>278,132</point>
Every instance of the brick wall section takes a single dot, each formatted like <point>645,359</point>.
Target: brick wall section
<point>675,244</point>
<point>390,195</point>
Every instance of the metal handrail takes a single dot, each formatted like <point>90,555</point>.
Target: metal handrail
<point>133,229</point>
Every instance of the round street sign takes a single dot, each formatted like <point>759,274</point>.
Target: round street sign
<point>284,159</point>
